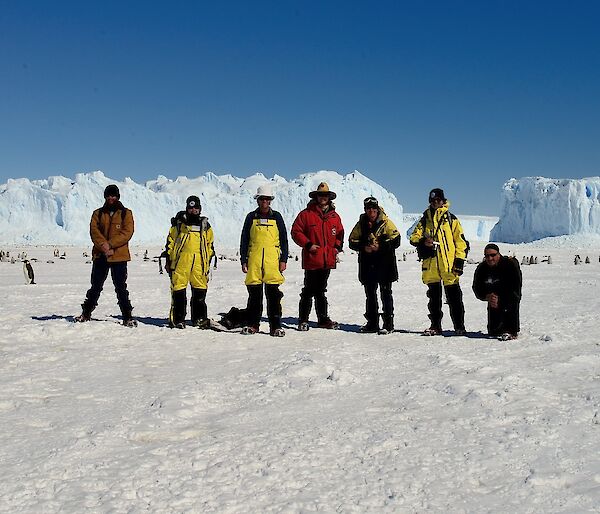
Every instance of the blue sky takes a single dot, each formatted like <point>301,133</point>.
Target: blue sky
<point>461,95</point>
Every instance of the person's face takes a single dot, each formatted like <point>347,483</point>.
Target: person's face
<point>111,199</point>
<point>323,199</point>
<point>372,213</point>
<point>264,203</point>
<point>436,203</point>
<point>193,210</point>
<point>492,257</point>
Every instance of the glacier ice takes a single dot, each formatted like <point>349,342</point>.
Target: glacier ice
<point>536,207</point>
<point>57,210</point>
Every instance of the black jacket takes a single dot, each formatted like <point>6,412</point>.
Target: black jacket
<point>504,279</point>
<point>380,266</point>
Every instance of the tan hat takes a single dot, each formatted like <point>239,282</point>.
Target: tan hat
<point>322,189</point>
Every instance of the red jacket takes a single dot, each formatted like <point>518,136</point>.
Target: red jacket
<point>313,227</point>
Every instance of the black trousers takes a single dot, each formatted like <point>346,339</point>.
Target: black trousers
<point>504,319</point>
<point>197,304</point>
<point>118,272</point>
<point>315,286</point>
<point>372,305</point>
<point>255,304</point>
<point>455,303</point>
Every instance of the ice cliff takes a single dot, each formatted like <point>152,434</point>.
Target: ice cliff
<point>536,207</point>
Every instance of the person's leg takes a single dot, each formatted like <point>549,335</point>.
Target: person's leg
<point>321,305</point>
<point>118,271</point>
<point>434,293</point>
<point>511,318</point>
<point>274,296</point>
<point>495,321</point>
<point>178,308</point>
<point>255,304</point>
<point>306,296</point>
<point>98,277</point>
<point>387,301</point>
<point>198,305</point>
<point>455,303</point>
<point>371,306</point>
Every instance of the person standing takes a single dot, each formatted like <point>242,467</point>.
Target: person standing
<point>319,231</point>
<point>375,238</point>
<point>498,281</point>
<point>111,228</point>
<point>443,249</point>
<point>189,250</point>
<point>264,255</point>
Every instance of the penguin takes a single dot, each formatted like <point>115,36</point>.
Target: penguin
<point>28,272</point>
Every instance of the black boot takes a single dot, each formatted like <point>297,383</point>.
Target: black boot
<point>388,325</point>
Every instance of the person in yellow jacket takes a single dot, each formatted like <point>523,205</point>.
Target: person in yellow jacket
<point>190,248</point>
<point>442,249</point>
<point>264,254</point>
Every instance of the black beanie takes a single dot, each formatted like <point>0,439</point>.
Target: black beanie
<point>111,190</point>
<point>193,201</point>
<point>492,246</point>
<point>437,193</point>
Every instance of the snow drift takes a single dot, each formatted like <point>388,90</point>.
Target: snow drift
<point>536,207</point>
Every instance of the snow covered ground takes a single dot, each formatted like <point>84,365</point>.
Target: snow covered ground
<point>101,418</point>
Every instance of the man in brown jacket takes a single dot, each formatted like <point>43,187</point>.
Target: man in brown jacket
<point>111,229</point>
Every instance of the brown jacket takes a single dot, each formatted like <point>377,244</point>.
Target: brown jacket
<point>116,230</point>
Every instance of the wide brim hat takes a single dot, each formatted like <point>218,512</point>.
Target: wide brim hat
<point>323,188</point>
<point>264,191</point>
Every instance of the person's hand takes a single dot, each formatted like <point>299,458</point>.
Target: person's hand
<point>245,268</point>
<point>428,241</point>
<point>492,300</point>
<point>458,267</point>
<point>282,266</point>
<point>105,247</point>
<point>110,252</point>
<point>313,248</point>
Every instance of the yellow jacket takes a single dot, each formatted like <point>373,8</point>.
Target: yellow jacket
<point>451,249</point>
<point>190,248</point>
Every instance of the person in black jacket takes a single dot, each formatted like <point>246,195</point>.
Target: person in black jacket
<point>498,282</point>
<point>375,238</point>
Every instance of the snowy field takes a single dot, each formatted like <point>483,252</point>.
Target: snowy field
<point>97,417</point>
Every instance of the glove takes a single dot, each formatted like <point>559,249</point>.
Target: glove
<point>458,266</point>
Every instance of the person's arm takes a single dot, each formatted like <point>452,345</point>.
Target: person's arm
<point>245,239</point>
<point>283,239</point>
<point>298,232</point>
<point>354,241</point>
<point>478,284</point>
<point>390,239</point>
<point>96,234</point>
<point>339,235</point>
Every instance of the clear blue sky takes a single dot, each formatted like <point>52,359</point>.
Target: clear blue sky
<point>457,94</point>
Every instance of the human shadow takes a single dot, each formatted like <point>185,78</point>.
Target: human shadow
<point>51,317</point>
<point>147,320</point>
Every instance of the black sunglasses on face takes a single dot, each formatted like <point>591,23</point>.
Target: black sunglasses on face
<point>488,255</point>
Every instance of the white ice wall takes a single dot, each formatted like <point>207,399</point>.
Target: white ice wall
<point>58,210</point>
<point>536,207</point>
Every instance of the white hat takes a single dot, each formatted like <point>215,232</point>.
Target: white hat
<point>264,190</point>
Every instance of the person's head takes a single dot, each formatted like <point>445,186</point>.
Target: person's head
<point>322,195</point>
<point>437,198</point>
<point>192,205</point>
<point>491,254</point>
<point>371,208</point>
<point>111,194</point>
<point>264,197</point>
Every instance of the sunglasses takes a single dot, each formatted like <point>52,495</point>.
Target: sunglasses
<point>264,198</point>
<point>488,255</point>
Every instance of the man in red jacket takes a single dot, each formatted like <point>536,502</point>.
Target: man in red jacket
<point>318,230</point>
